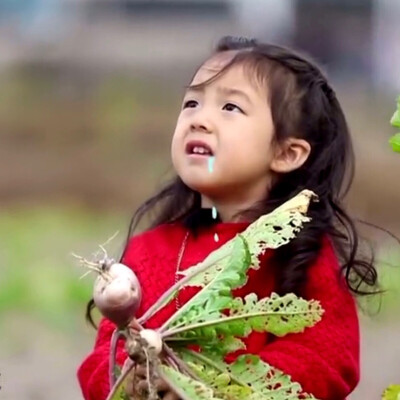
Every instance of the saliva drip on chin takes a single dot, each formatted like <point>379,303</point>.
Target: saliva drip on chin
<point>214,211</point>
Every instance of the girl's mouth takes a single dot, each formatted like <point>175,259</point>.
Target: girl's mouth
<point>198,148</point>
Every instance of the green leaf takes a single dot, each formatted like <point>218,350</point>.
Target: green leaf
<point>270,231</point>
<point>235,250</point>
<point>124,396</point>
<point>218,344</point>
<point>227,273</point>
<point>395,142</point>
<point>274,314</point>
<point>216,296</point>
<point>119,394</point>
<point>247,378</point>
<point>224,345</point>
<point>279,227</point>
<point>278,315</point>
<point>392,393</point>
<point>187,388</point>
<point>395,120</point>
<point>209,262</point>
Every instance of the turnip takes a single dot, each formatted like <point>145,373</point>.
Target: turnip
<point>117,293</point>
<point>153,339</point>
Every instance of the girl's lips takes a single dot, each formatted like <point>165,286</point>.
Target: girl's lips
<point>199,156</point>
<point>190,146</point>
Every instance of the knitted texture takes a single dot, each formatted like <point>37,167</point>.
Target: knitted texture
<point>324,359</point>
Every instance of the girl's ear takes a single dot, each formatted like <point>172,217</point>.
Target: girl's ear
<point>290,155</point>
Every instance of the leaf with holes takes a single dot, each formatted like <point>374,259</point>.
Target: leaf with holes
<point>216,296</point>
<point>220,278</point>
<point>270,231</point>
<point>247,378</point>
<point>186,387</point>
<point>274,314</point>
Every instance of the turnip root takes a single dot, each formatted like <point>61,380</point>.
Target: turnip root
<point>153,339</point>
<point>117,293</point>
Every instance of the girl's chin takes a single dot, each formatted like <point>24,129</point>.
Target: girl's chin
<point>203,186</point>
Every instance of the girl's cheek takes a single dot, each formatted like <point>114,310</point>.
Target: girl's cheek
<point>177,138</point>
<point>183,116</point>
<point>179,129</point>
<point>174,146</point>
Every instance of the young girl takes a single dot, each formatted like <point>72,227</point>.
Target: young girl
<point>258,124</point>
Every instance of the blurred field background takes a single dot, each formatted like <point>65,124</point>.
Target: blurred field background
<point>89,94</point>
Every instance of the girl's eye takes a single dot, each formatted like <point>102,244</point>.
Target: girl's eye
<point>232,107</point>
<point>190,104</point>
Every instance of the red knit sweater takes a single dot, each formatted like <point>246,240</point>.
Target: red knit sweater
<point>324,359</point>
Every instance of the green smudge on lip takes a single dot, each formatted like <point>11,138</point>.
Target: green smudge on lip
<point>211,161</point>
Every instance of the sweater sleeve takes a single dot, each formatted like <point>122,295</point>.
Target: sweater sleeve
<point>93,372</point>
<point>324,359</point>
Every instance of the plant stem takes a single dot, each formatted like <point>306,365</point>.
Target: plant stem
<point>178,390</point>
<point>150,387</point>
<point>171,363</point>
<point>182,366</point>
<point>206,360</point>
<point>113,351</point>
<point>165,298</point>
<point>224,320</point>
<point>184,339</point>
<point>120,381</point>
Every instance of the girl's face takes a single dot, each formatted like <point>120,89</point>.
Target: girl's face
<point>230,120</point>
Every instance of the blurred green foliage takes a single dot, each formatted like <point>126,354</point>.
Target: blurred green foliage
<point>387,304</point>
<point>39,276</point>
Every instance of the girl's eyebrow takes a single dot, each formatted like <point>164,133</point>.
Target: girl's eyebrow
<point>227,91</point>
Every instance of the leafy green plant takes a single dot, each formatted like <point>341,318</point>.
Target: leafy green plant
<point>392,393</point>
<point>395,121</point>
<point>216,321</point>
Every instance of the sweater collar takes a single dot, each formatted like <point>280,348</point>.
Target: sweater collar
<point>202,220</point>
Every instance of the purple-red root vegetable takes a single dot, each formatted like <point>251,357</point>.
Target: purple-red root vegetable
<point>117,294</point>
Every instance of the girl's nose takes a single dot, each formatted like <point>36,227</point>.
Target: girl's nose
<point>201,125</point>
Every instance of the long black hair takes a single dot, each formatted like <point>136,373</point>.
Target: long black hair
<point>303,105</point>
